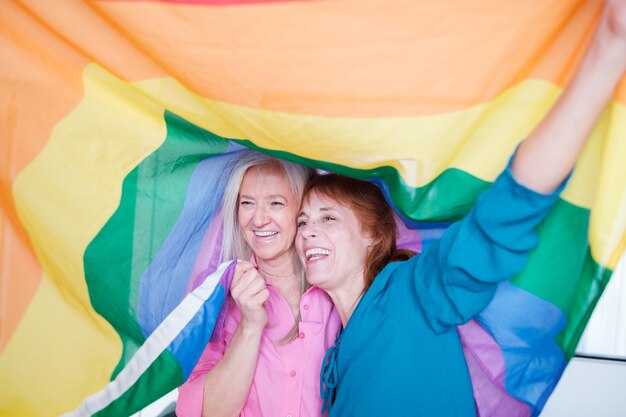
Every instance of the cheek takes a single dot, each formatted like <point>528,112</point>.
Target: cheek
<point>243,217</point>
<point>354,245</point>
<point>299,246</point>
<point>287,221</point>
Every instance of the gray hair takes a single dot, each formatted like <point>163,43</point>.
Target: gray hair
<point>234,245</point>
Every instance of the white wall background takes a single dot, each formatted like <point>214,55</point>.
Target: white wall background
<point>606,331</point>
<point>597,388</point>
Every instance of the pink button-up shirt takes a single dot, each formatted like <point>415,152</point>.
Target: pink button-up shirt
<point>286,382</point>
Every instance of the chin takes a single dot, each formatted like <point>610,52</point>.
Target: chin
<point>267,253</point>
<point>314,279</point>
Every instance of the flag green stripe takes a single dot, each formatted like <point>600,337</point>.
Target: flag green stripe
<point>593,279</point>
<point>159,379</point>
<point>153,196</point>
<point>569,276</point>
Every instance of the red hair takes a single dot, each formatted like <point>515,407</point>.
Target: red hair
<point>374,214</point>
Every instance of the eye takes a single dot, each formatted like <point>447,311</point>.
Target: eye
<point>301,223</point>
<point>245,203</point>
<point>328,219</point>
<point>277,203</point>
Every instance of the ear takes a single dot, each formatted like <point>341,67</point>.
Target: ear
<point>369,241</point>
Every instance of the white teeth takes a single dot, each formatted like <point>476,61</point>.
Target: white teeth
<point>317,251</point>
<point>265,234</point>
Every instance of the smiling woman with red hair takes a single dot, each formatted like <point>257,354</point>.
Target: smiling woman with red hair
<point>400,352</point>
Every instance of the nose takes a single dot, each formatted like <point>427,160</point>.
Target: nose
<point>260,217</point>
<point>308,231</point>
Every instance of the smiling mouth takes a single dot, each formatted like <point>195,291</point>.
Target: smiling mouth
<point>265,235</point>
<point>315,254</point>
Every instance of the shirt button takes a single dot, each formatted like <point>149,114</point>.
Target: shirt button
<point>292,373</point>
<point>302,335</point>
<point>306,306</point>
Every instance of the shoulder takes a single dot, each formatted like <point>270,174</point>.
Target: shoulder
<point>393,292</point>
<point>394,274</point>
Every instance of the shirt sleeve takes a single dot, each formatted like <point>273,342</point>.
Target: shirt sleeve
<point>456,277</point>
<point>191,393</point>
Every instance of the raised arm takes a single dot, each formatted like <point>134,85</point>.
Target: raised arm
<point>546,157</point>
<point>458,275</point>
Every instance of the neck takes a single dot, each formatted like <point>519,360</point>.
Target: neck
<point>347,297</point>
<point>279,272</point>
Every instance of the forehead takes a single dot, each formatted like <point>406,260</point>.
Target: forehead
<point>265,180</point>
<point>316,202</point>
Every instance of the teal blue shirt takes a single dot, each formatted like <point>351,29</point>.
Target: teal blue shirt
<point>400,353</point>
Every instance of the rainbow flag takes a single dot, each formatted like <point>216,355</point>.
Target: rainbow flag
<point>118,119</point>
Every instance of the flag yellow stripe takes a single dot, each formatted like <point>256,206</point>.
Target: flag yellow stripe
<point>58,355</point>
<point>63,198</point>
<point>477,140</point>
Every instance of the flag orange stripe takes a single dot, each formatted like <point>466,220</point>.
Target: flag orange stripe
<point>293,56</point>
<point>45,78</point>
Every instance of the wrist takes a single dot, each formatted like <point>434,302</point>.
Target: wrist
<point>250,328</point>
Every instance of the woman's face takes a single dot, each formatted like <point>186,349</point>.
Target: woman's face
<point>266,212</point>
<point>330,243</point>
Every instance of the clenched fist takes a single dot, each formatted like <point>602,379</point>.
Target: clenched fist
<point>249,291</point>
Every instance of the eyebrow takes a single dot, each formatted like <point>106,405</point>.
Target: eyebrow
<point>302,213</point>
<point>269,196</point>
